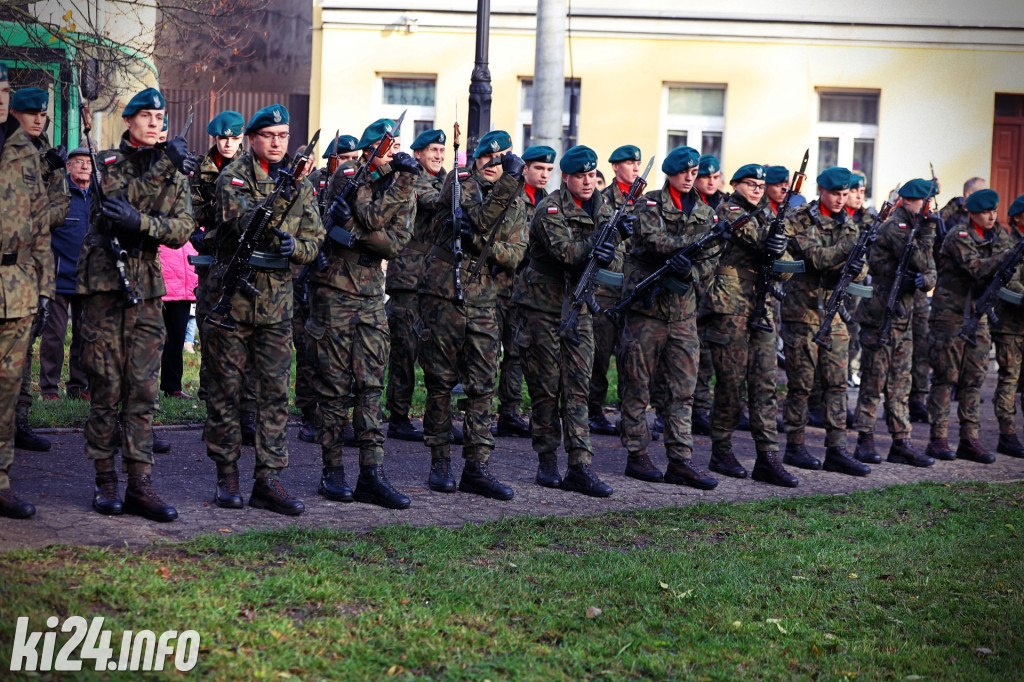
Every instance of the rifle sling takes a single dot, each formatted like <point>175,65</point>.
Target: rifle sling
<point>447,256</point>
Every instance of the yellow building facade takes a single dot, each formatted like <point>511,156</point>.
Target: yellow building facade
<point>886,91</point>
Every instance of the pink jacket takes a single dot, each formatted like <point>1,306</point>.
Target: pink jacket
<point>179,277</point>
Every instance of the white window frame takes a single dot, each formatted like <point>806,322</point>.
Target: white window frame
<point>524,116</point>
<point>693,125</point>
<point>393,111</point>
<point>846,133</point>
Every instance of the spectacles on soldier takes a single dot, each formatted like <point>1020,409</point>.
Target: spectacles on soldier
<point>756,186</point>
<point>274,136</point>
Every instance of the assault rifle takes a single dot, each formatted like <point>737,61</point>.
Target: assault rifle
<point>302,281</point>
<point>237,276</point>
<point>584,291</point>
<point>118,251</point>
<point>846,277</point>
<point>994,292</point>
<point>649,287</point>
<point>457,255</point>
<point>765,285</point>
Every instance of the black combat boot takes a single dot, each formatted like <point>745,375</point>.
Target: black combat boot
<point>725,463</point>
<point>971,450</point>
<point>440,479</point>
<point>816,417</point>
<point>1009,445</point>
<point>547,474</point>
<point>580,478</point>
<point>701,423</point>
<point>902,452</point>
<point>512,426</point>
<point>640,467</point>
<point>141,500</point>
<point>918,412</point>
<point>226,495</point>
<point>683,472</point>
<point>373,487</point>
<point>307,431</point>
<point>105,499</point>
<point>269,494</point>
<point>865,450</point>
<point>477,480</point>
<point>838,461</point>
<point>248,423</point>
<point>401,428</point>
<point>14,508</point>
<point>797,456</point>
<point>600,425</point>
<point>27,439</point>
<point>333,485</point>
<point>938,448</point>
<point>768,469</point>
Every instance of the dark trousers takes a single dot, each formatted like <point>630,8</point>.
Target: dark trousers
<point>51,346</point>
<point>172,363</point>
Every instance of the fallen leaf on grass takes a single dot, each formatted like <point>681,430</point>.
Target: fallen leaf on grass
<point>984,651</point>
<point>164,571</point>
<point>224,530</point>
<point>776,623</point>
<point>663,586</point>
<point>395,670</point>
<point>737,624</point>
<point>853,575</point>
<point>800,577</point>
<point>593,612</point>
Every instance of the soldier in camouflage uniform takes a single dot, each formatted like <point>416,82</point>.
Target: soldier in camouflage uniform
<point>348,327</point>
<point>954,214</point>
<point>563,233</point>
<point>147,204</point>
<point>743,355</point>
<point>404,270</point>
<point>540,163</point>
<point>1008,335</point>
<point>822,236</point>
<point>886,367</point>
<point>461,342</point>
<point>660,337</point>
<point>26,276</point>
<point>970,255</point>
<point>261,342</point>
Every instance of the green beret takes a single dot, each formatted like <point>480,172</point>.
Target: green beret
<point>916,189</point>
<point>167,119</point>
<point>982,200</point>
<point>539,152</point>
<point>709,165</point>
<point>346,143</point>
<point>427,138</point>
<point>30,100</point>
<point>376,131</point>
<point>857,181</point>
<point>626,152</point>
<point>751,170</point>
<point>150,98</point>
<point>3,71</point>
<point>773,175</point>
<point>834,179</point>
<point>492,143</point>
<point>578,159</point>
<point>274,115</point>
<point>1016,207</point>
<point>680,159</point>
<point>226,124</point>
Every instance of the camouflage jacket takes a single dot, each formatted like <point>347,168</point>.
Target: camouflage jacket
<point>717,199</point>
<point>483,203</point>
<point>241,188</point>
<point>967,260</point>
<point>204,191</point>
<point>1011,317</point>
<point>150,183</point>
<point>562,236</point>
<point>823,243</point>
<point>954,213</point>
<point>383,215</point>
<point>506,280</point>
<point>883,259</point>
<point>662,229</point>
<point>58,201</point>
<point>24,230</point>
<point>863,217</point>
<point>404,270</point>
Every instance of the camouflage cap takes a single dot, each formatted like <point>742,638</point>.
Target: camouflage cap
<point>626,152</point>
<point>982,200</point>
<point>539,152</point>
<point>346,143</point>
<point>751,170</point>
<point>1017,207</point>
<point>773,175</point>
<point>579,159</point>
<point>834,179</point>
<point>150,98</point>
<point>226,124</point>
<point>274,115</point>
<point>492,143</point>
<point>375,131</point>
<point>30,100</point>
<point>918,188</point>
<point>680,159</point>
<point>709,165</point>
<point>427,138</point>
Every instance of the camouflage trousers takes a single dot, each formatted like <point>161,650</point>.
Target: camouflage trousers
<point>13,355</point>
<point>510,370</point>
<point>349,343</point>
<point>264,353</point>
<point>248,401</point>
<point>403,314</point>
<point>1009,356</point>
<point>459,343</point>
<point>606,341</point>
<point>920,367</point>
<point>702,395</point>
<point>558,377</point>
<point>885,370</point>
<point>306,395</point>
<point>650,348</point>
<point>25,394</point>
<point>742,356</point>
<point>803,356</point>
<point>121,356</point>
<point>954,361</point>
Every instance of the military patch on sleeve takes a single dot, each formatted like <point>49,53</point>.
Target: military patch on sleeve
<point>323,182</point>
<point>348,171</point>
<point>734,208</point>
<point>463,174</point>
<point>237,182</point>
<point>552,209</point>
<point>109,160</point>
<point>962,234</point>
<point>652,203</point>
<point>902,226</point>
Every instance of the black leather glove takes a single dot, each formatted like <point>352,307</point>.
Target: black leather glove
<point>466,231</point>
<point>177,152</point>
<point>198,241</point>
<point>857,264</point>
<point>122,215</point>
<point>776,244</point>
<point>405,162</point>
<point>57,157</point>
<point>604,253</point>
<point>340,212</point>
<point>680,266</point>
<point>513,165</point>
<point>909,283</point>
<point>919,281</point>
<point>287,247</point>
<point>626,226</point>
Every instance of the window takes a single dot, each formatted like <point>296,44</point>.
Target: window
<point>414,95</point>
<point>847,130</point>
<point>570,105</point>
<point>693,116</point>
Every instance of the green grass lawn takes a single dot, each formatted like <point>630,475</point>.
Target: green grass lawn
<point>910,582</point>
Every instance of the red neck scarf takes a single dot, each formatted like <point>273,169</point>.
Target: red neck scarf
<point>677,198</point>
<point>531,192</point>
<point>824,211</point>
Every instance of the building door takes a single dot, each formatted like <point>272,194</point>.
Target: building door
<point>1008,151</point>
